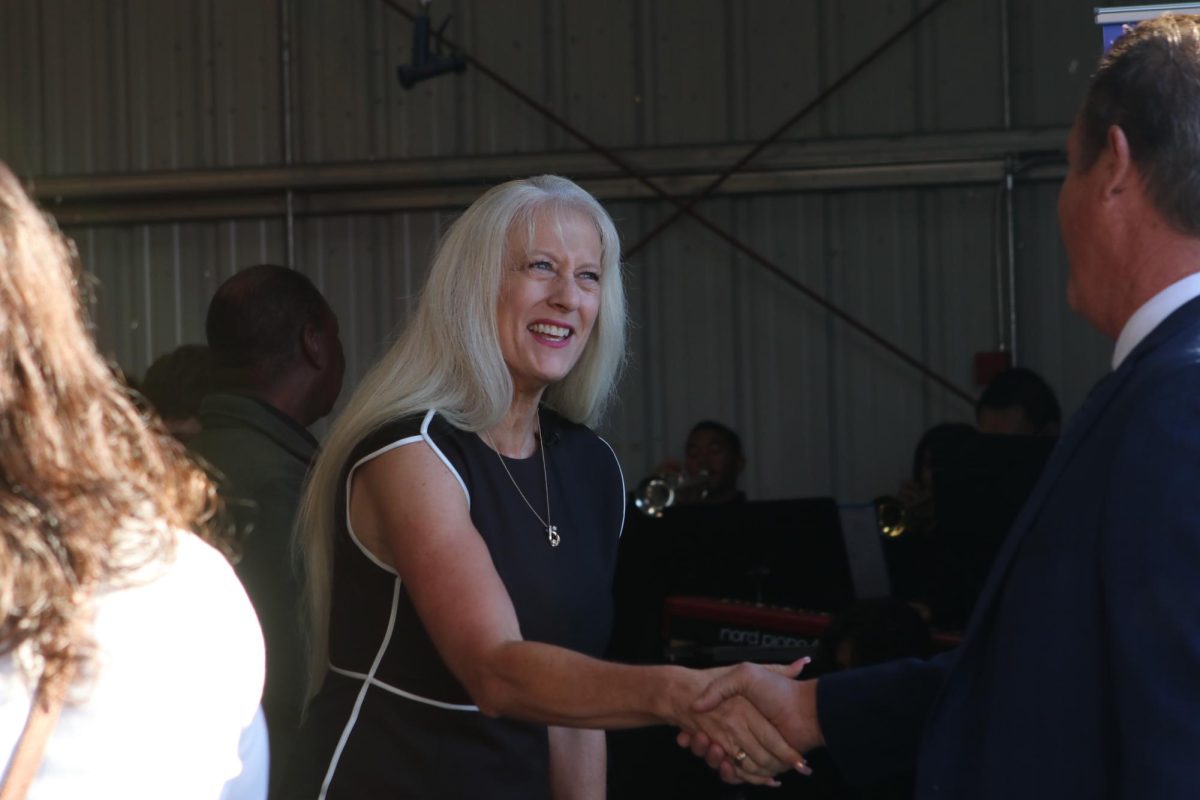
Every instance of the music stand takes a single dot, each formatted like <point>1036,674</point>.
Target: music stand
<point>980,484</point>
<point>779,552</point>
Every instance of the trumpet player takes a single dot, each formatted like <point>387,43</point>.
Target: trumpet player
<point>711,468</point>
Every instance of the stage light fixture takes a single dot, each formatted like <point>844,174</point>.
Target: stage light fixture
<point>426,62</point>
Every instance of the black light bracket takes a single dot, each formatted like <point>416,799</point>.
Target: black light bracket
<point>426,64</point>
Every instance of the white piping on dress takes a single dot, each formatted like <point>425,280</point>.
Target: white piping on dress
<point>369,679</point>
<point>425,435</point>
<point>422,437</point>
<point>362,693</point>
<point>349,480</point>
<point>621,472</point>
<point>387,687</point>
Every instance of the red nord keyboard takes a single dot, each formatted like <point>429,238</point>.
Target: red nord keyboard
<point>736,623</point>
<point>714,622</point>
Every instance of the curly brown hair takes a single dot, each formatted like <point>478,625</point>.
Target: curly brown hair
<point>91,489</point>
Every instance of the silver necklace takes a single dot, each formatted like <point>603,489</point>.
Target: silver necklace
<point>552,535</point>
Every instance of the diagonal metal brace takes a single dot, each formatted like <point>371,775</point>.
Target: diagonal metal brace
<point>686,208</point>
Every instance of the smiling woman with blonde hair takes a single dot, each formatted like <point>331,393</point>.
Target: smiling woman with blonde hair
<point>110,608</point>
<point>460,531</point>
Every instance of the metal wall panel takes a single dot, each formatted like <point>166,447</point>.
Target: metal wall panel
<point>111,85</point>
<point>1055,47</point>
<point>133,85</point>
<point>1058,343</point>
<point>153,282</point>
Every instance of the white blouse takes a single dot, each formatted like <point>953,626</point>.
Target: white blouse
<point>170,706</point>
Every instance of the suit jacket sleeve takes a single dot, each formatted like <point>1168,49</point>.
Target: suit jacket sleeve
<point>1150,575</point>
<point>872,717</point>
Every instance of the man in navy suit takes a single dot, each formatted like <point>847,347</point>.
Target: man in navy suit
<point>1079,676</point>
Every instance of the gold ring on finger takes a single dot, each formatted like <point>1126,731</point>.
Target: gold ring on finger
<point>739,756</point>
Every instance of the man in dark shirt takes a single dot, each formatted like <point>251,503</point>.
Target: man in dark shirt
<point>278,366</point>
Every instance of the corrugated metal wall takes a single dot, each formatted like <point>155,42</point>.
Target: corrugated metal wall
<point>99,86</point>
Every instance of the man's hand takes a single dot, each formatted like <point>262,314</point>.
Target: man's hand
<point>789,705</point>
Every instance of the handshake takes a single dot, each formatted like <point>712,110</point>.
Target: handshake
<point>752,722</point>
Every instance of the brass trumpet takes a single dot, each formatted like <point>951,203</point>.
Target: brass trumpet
<point>657,493</point>
<point>897,518</point>
<point>891,516</point>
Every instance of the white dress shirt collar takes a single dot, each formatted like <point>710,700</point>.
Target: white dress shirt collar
<point>1152,313</point>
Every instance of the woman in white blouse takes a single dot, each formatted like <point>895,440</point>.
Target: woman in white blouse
<point>109,603</point>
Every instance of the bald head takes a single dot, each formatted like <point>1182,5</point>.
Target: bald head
<point>272,334</point>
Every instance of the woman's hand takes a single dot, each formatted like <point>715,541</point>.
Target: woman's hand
<point>756,750</point>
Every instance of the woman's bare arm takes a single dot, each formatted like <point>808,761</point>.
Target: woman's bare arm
<point>578,764</point>
<point>409,510</point>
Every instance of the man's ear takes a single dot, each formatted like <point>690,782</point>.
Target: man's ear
<point>1117,163</point>
<point>312,346</point>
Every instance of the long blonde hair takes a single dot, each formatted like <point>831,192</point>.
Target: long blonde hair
<point>90,490</point>
<point>449,358</point>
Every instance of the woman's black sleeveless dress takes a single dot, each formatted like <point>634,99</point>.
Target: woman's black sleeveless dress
<point>390,720</point>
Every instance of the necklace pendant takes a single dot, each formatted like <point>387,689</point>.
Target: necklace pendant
<point>552,535</point>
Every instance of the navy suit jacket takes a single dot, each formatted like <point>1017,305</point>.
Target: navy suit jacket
<point>1079,676</point>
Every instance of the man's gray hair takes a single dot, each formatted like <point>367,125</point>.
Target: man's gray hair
<point>1149,85</point>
